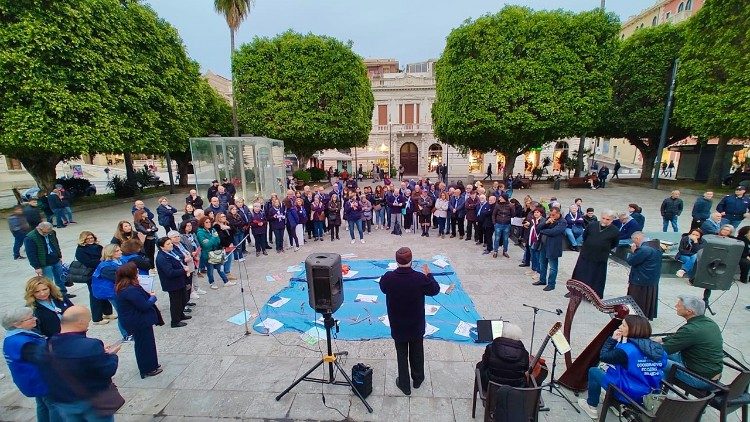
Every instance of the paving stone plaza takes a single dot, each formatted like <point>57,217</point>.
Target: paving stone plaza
<point>205,379</point>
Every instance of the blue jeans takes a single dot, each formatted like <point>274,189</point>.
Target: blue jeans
<point>78,411</point>
<point>352,224</point>
<point>60,215</point>
<point>18,237</point>
<point>672,220</point>
<point>441,225</point>
<point>732,221</point>
<point>504,231</point>
<point>380,217</point>
<point>210,272</point>
<point>688,263</point>
<point>318,229</point>
<point>543,263</point>
<point>676,359</point>
<point>597,381</point>
<point>534,260</point>
<point>575,240</point>
<point>43,413</point>
<point>237,254</point>
<point>123,332</point>
<point>228,264</point>
<point>54,272</point>
<point>68,214</point>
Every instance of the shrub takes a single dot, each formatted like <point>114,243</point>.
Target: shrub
<point>122,187</point>
<point>76,187</point>
<point>145,179</point>
<point>302,175</point>
<point>316,174</point>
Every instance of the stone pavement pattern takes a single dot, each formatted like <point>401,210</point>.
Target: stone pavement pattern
<point>205,379</point>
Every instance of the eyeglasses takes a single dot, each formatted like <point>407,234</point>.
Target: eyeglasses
<point>27,319</point>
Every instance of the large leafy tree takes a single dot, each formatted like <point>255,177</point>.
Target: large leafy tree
<point>517,79</point>
<point>310,91</point>
<point>234,11</point>
<point>642,77</point>
<point>713,83</point>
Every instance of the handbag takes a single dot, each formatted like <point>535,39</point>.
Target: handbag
<point>79,273</point>
<point>217,257</point>
<point>652,401</point>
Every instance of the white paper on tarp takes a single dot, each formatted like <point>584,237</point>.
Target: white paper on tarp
<point>313,335</point>
<point>147,282</point>
<point>350,274</point>
<point>279,303</point>
<point>430,329</point>
<point>444,287</point>
<point>440,263</point>
<point>366,298</point>
<point>392,265</point>
<point>443,257</point>
<point>560,342</point>
<point>294,268</point>
<point>431,309</point>
<point>270,324</point>
<point>384,319</point>
<point>463,327</point>
<point>240,319</point>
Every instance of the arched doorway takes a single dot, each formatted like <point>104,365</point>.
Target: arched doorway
<point>409,157</point>
<point>559,156</point>
<point>435,157</point>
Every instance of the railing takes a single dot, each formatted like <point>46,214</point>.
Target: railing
<point>400,128</point>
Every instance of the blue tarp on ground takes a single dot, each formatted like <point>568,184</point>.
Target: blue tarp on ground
<point>361,320</point>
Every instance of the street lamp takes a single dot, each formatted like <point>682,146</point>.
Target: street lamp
<point>390,142</point>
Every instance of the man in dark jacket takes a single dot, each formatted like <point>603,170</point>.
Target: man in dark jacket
<point>457,212</point>
<point>645,271</point>
<point>405,290</point>
<point>31,212</point>
<point>194,200</point>
<point>734,207</point>
<point>79,367</point>
<point>552,232</point>
<point>598,240</point>
<point>501,217</point>
<point>701,209</point>
<point>212,190</point>
<point>671,208</point>
<point>45,256</point>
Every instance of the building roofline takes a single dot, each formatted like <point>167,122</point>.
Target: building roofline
<point>645,11</point>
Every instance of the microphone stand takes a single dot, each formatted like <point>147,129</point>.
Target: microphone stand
<point>243,273</point>
<point>536,310</point>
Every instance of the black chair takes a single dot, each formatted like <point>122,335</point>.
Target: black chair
<point>511,404</point>
<point>728,398</point>
<point>674,408</point>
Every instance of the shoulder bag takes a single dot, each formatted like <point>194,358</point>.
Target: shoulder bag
<point>79,273</point>
<point>217,257</point>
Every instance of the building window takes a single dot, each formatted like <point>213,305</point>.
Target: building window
<point>435,157</point>
<point>560,155</point>
<point>476,162</point>
<point>653,21</point>
<point>605,146</point>
<point>13,164</point>
<point>681,8</point>
<point>689,5</point>
<point>382,114</point>
<point>668,15</point>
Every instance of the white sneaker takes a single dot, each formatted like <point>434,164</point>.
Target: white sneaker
<point>361,240</point>
<point>680,273</point>
<point>589,410</point>
<point>353,241</point>
<point>214,287</point>
<point>194,295</point>
<point>241,259</point>
<point>201,291</point>
<point>102,322</point>
<point>296,248</point>
<point>230,283</point>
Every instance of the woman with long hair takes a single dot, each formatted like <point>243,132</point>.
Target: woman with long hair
<point>353,216</point>
<point>441,212</point>
<point>208,239</point>
<point>378,207</point>
<point>334,215</point>
<point>237,224</point>
<point>103,279</point>
<point>123,232</point>
<point>636,364</point>
<point>258,229</point>
<point>132,251</point>
<point>139,315</point>
<point>146,229</point>
<point>189,213</point>
<point>48,303</point>
<point>226,240</point>
<point>687,252</point>
<point>89,253</point>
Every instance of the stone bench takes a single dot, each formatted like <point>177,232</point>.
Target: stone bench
<point>578,182</point>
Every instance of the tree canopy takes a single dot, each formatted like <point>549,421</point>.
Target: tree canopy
<point>641,85</point>
<point>713,83</point>
<point>310,91</point>
<point>90,76</point>
<point>517,79</point>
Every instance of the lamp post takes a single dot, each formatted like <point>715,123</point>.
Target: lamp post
<point>604,3</point>
<point>390,142</point>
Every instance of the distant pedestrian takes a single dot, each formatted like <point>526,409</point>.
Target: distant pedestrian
<point>671,208</point>
<point>663,168</point>
<point>615,175</point>
<point>19,227</point>
<point>670,167</point>
<point>701,209</point>
<point>489,172</point>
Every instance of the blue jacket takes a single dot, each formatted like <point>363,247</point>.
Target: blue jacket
<point>351,213</point>
<point>166,215</point>
<point>627,229</point>
<point>398,199</point>
<point>103,280</point>
<point>639,218</point>
<point>19,348</point>
<point>710,227</point>
<point>135,308</point>
<point>644,368</point>
<point>645,266</point>
<point>171,272</point>
<point>277,219</point>
<point>140,261</point>
<point>576,223</point>
<point>79,368</point>
<point>457,204</point>
<point>733,207</point>
<point>702,208</point>
<point>55,202</point>
<point>216,210</point>
<point>552,240</point>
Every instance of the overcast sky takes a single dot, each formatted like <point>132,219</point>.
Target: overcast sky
<point>407,30</point>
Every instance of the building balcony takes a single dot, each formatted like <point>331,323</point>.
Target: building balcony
<point>403,128</point>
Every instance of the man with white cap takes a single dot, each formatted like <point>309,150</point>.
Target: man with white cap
<point>405,290</point>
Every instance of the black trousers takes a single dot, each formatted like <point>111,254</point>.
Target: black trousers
<point>145,349</point>
<point>488,237</point>
<point>479,233</point>
<point>744,269</point>
<point>696,223</point>
<point>176,305</point>
<point>410,354</point>
<point>470,228</point>
<point>457,221</point>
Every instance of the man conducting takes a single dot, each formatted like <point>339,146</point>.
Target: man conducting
<point>598,239</point>
<point>405,290</point>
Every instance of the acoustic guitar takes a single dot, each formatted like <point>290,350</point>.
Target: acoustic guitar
<point>538,367</point>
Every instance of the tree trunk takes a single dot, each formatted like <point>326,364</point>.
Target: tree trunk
<point>647,169</point>
<point>235,125</point>
<point>42,169</point>
<point>717,167</point>
<point>183,165</point>
<point>509,164</point>
<point>581,153</point>
<point>129,170</point>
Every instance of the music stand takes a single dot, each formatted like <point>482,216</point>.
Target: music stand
<point>553,384</point>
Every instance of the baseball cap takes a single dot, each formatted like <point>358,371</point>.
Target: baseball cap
<point>741,187</point>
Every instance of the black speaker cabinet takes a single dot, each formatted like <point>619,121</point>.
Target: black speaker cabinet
<point>324,282</point>
<point>717,263</point>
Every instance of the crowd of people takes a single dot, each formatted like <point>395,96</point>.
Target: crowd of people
<point>205,237</point>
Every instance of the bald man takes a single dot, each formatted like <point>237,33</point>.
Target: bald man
<point>80,367</point>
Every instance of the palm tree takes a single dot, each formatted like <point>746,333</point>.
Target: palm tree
<point>234,11</point>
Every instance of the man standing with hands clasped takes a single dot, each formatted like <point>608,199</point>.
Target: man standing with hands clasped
<point>405,290</point>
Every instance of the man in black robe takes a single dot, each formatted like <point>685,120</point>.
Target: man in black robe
<point>598,240</point>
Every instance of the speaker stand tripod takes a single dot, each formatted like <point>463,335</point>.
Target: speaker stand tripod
<point>706,297</point>
<point>332,360</point>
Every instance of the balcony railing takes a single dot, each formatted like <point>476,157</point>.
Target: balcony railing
<point>403,128</point>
